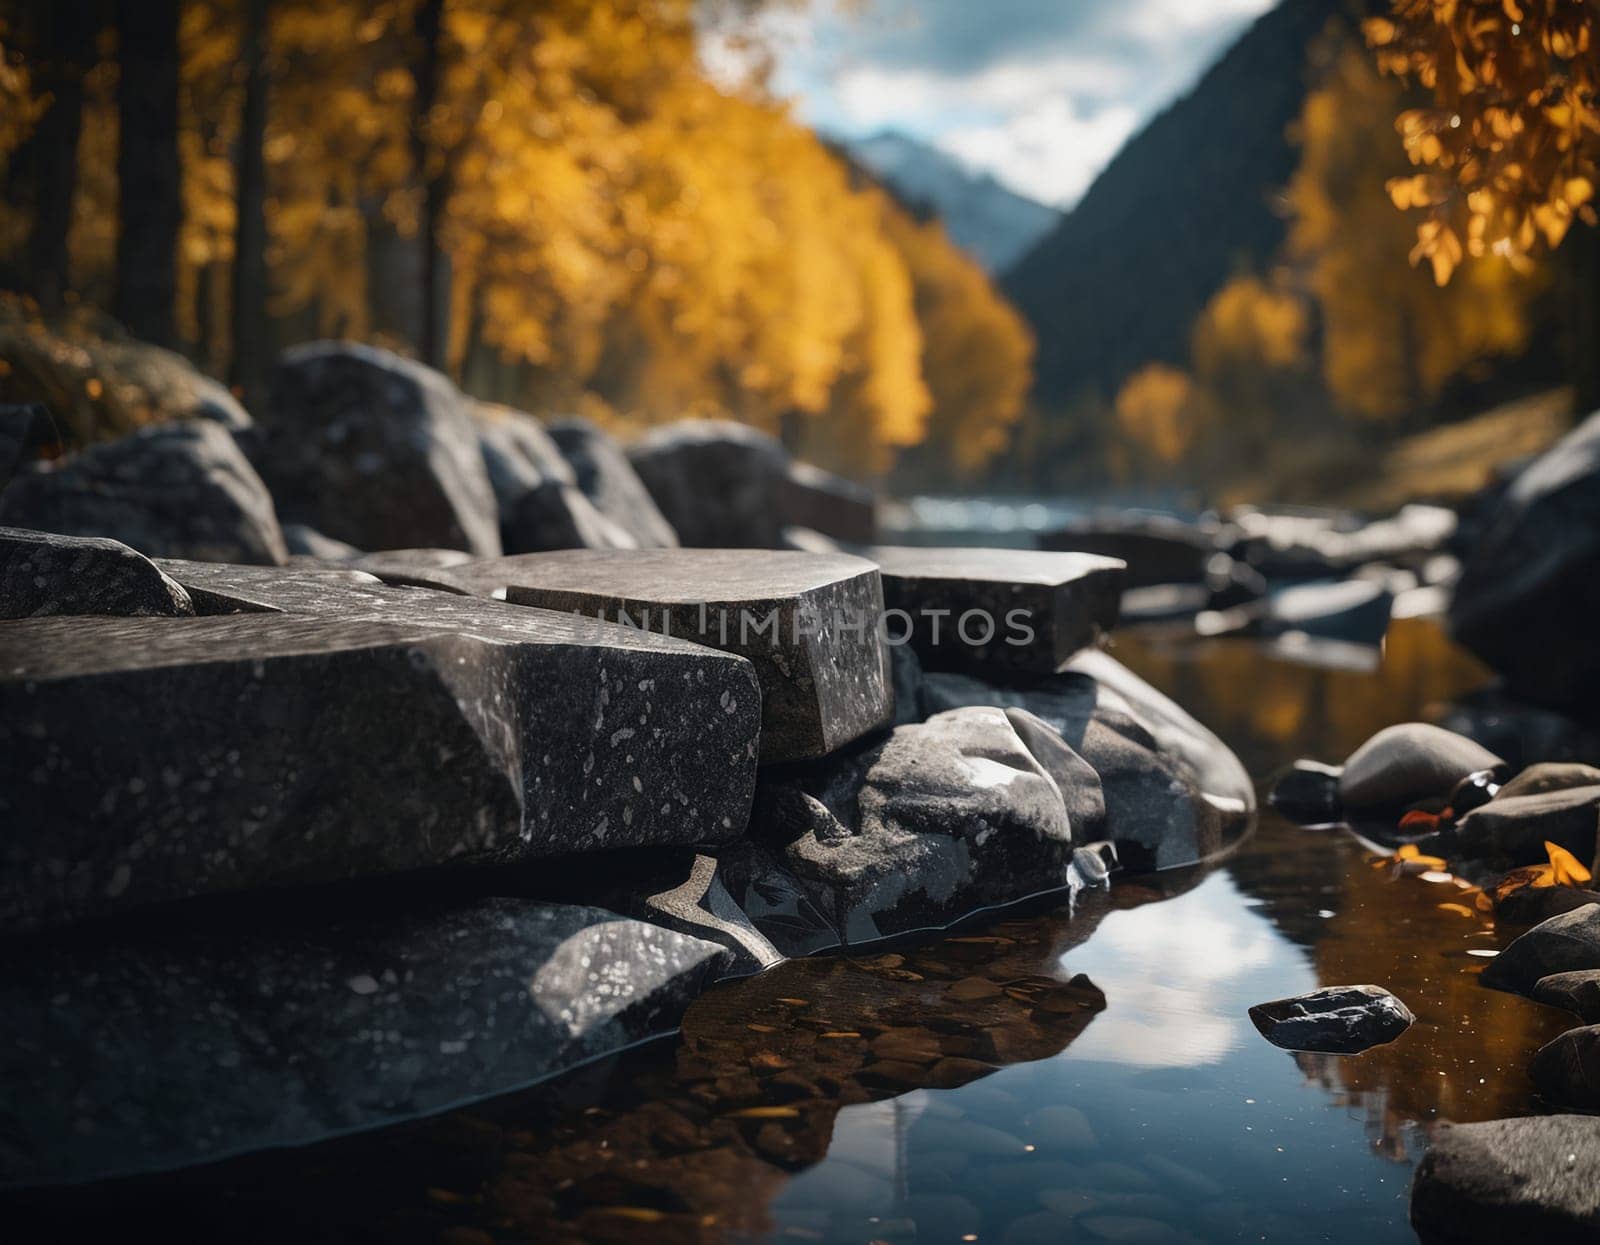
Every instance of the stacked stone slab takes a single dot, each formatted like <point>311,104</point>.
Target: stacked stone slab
<point>808,623</point>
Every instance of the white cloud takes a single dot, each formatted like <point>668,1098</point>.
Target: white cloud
<point>1049,152</point>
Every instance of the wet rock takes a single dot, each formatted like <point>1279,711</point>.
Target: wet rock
<point>42,574</point>
<point>1079,785</point>
<point>807,622</point>
<point>1562,944</point>
<point>158,1049</point>
<point>1341,1020</point>
<point>1308,792</point>
<point>1567,1069</point>
<point>608,479</point>
<point>841,509</point>
<point>1355,610</point>
<point>179,490</point>
<point>364,730</point>
<point>1157,549</point>
<point>1550,776</point>
<point>1512,830</point>
<point>1407,762</point>
<point>717,482</point>
<point>1174,794</point>
<point>307,542</point>
<point>23,427</point>
<point>375,450</point>
<point>1531,905</point>
<point>997,609</point>
<point>1577,992</point>
<point>1536,1178</point>
<point>774,900</point>
<point>939,820</point>
<point>1530,586</point>
<point>1473,791</point>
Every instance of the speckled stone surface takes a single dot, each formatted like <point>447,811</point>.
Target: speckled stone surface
<point>157,1049</point>
<point>375,450</point>
<point>808,622</point>
<point>368,729</point>
<point>999,609</point>
<point>42,574</point>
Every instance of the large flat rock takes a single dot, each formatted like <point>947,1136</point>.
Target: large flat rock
<point>999,609</point>
<point>808,622</point>
<point>163,1049</point>
<point>363,730</point>
<point>42,574</point>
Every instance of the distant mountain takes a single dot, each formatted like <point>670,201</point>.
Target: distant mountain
<point>994,225</point>
<point>1190,199</point>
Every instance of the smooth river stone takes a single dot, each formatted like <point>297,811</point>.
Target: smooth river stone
<point>1341,1020</point>
<point>1513,830</point>
<point>808,622</point>
<point>1410,761</point>
<point>1563,944</point>
<point>998,609</point>
<point>144,760</point>
<point>42,574</point>
<point>158,1049</point>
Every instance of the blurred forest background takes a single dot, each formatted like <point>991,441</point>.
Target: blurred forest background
<point>1364,227</point>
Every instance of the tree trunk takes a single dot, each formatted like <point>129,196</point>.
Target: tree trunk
<point>148,173</point>
<point>68,35</point>
<point>249,313</point>
<point>425,72</point>
<point>1583,344</point>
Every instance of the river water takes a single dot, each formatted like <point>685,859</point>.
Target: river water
<point>1042,1076</point>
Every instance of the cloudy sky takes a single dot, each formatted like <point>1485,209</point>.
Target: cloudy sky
<point>1041,93</point>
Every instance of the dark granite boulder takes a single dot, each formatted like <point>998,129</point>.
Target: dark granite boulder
<point>1562,944</point>
<point>1567,1069</point>
<point>940,819</point>
<point>608,479</point>
<point>1534,1179</point>
<point>1156,549</point>
<point>841,509</point>
<point>808,622</point>
<point>180,490</point>
<point>1512,830</point>
<point>997,609</point>
<point>364,729</point>
<point>535,489</point>
<point>43,574</point>
<point>23,427</point>
<point>156,1049</point>
<point>717,482</point>
<point>1533,905</point>
<point>1577,991</point>
<point>1341,1020</point>
<point>1308,792</point>
<point>1407,762</point>
<point>375,450</point>
<point>1530,586</point>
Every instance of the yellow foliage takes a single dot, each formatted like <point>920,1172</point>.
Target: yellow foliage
<point>1391,339</point>
<point>1511,140</point>
<point>1160,409</point>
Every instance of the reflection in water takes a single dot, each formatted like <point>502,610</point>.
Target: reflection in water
<point>979,1088</point>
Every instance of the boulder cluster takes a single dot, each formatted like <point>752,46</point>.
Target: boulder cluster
<point>394,750</point>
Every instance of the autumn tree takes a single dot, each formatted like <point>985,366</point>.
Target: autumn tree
<point>1161,410</point>
<point>1391,337</point>
<point>1508,145</point>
